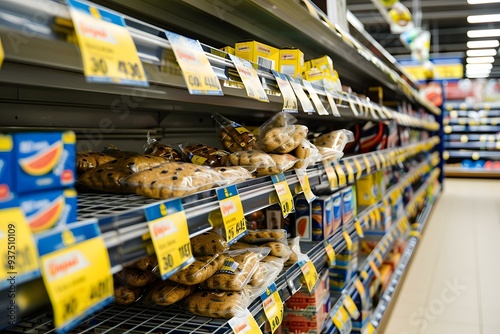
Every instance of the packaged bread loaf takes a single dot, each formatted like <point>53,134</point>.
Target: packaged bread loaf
<point>208,243</point>
<point>107,178</point>
<point>201,269</point>
<point>166,293</point>
<point>278,249</point>
<point>218,304</point>
<point>282,140</point>
<point>262,163</point>
<point>269,269</point>
<point>201,154</point>
<point>135,277</point>
<point>283,162</point>
<point>294,244</point>
<point>331,145</point>
<point>234,174</point>
<point>307,153</point>
<point>125,295</point>
<point>154,147</point>
<point>279,120</point>
<point>257,237</point>
<point>90,160</point>
<point>234,137</point>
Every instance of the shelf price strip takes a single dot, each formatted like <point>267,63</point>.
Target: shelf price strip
<point>284,194</point>
<point>233,215</point>
<point>273,306</point>
<point>76,273</point>
<point>168,229</point>
<point>244,324</point>
<point>108,51</point>
<point>198,74</point>
<point>250,79</point>
<point>20,254</point>
<point>289,99</point>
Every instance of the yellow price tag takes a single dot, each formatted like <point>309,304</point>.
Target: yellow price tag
<point>284,194</point>
<point>359,229</point>
<point>351,307</point>
<point>305,185</point>
<point>330,174</point>
<point>77,276</point>
<point>233,215</point>
<point>2,54</point>
<point>342,321</point>
<point>359,170</point>
<point>367,164</point>
<point>373,218</point>
<point>330,253</point>
<point>364,275</point>
<point>310,274</point>
<point>369,329</point>
<point>415,234</point>
<point>379,257</point>
<point>19,253</point>
<point>348,240</point>
<point>376,161</point>
<point>108,51</point>
<point>375,270</point>
<point>361,290</point>
<point>340,174</point>
<point>245,324</point>
<point>350,171</point>
<point>273,306</point>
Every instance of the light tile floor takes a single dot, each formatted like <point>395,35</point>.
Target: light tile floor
<point>453,283</point>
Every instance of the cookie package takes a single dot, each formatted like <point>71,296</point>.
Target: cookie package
<point>234,137</point>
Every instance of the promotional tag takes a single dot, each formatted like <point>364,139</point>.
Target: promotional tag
<point>351,307</point>
<point>250,79</point>
<point>169,232</point>
<point>19,262</point>
<point>320,108</point>
<point>108,51</point>
<point>375,160</point>
<point>310,274</point>
<point>273,306</point>
<point>359,229</point>
<point>348,240</point>
<point>306,104</point>
<point>233,215</point>
<point>245,324</point>
<point>330,253</point>
<point>198,74</point>
<point>76,272</point>
<point>330,174</point>
<point>289,100</point>
<point>350,171</point>
<point>361,290</point>
<point>284,194</point>
<point>367,164</point>
<point>342,321</point>
<point>340,174</point>
<point>359,170</point>
<point>305,185</point>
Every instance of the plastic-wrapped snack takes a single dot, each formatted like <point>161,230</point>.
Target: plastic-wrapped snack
<point>89,160</point>
<point>218,304</point>
<point>308,154</point>
<point>235,273</point>
<point>283,139</point>
<point>283,163</point>
<point>135,277</point>
<point>208,243</point>
<point>335,140</point>
<point>166,293</point>
<point>294,245</point>
<point>141,162</point>
<point>233,136</point>
<point>125,295</point>
<point>261,162</point>
<point>107,177</point>
<point>278,249</point>
<point>149,263</point>
<point>158,149</point>
<point>277,121</point>
<point>201,154</point>
<point>173,179</point>
<point>234,174</point>
<point>115,152</point>
<point>201,269</point>
<point>257,237</point>
<point>269,269</point>
<point>241,245</point>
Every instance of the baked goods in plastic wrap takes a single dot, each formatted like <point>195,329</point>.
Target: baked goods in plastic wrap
<point>331,145</point>
<point>166,293</point>
<point>201,154</point>
<point>262,163</point>
<point>148,263</point>
<point>158,149</point>
<point>90,160</point>
<point>234,174</point>
<point>307,153</point>
<point>173,179</point>
<point>294,245</point>
<point>107,178</point>
<point>282,139</point>
<point>135,277</point>
<point>278,249</point>
<point>218,304</point>
<point>277,121</point>
<point>115,152</point>
<point>269,269</point>
<point>258,237</point>
<point>201,269</point>
<point>208,243</point>
<point>234,137</point>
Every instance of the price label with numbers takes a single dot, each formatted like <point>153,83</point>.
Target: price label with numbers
<point>315,98</point>
<point>289,99</point>
<point>108,51</point>
<point>301,95</point>
<point>19,252</point>
<point>342,321</point>
<point>284,194</point>
<point>330,253</point>
<point>250,79</point>
<point>198,74</point>
<point>330,174</point>
<point>76,272</point>
<point>273,306</point>
<point>310,274</point>
<point>351,307</point>
<point>244,324</point>
<point>169,232</point>
<point>340,174</point>
<point>233,215</point>
<point>305,185</point>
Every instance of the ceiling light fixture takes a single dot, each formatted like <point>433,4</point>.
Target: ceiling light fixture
<point>481,53</point>
<point>483,18</point>
<point>478,2</point>
<point>478,67</point>
<point>483,44</point>
<point>480,60</point>
<point>483,33</point>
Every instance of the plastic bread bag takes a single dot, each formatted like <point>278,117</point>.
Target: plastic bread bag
<point>173,179</point>
<point>282,139</point>
<point>258,237</point>
<point>328,154</point>
<point>147,263</point>
<point>242,245</point>
<point>208,243</point>
<point>335,140</point>
<point>89,160</point>
<point>294,244</point>
<point>201,154</point>
<point>135,277</point>
<point>257,161</point>
<point>115,152</point>
<point>269,269</point>
<point>277,121</point>
<point>307,153</point>
<point>201,269</point>
<point>234,137</point>
<point>237,270</point>
<point>278,249</point>
<point>108,177</point>
<point>166,293</point>
<point>154,147</point>
<point>234,174</point>
<point>218,304</point>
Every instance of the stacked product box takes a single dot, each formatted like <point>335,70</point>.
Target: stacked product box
<point>307,312</point>
<point>369,189</point>
<point>38,174</point>
<point>345,266</point>
<point>315,221</point>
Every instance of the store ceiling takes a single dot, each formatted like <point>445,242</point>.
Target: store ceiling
<point>445,19</point>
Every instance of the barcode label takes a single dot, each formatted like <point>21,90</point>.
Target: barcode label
<point>264,62</point>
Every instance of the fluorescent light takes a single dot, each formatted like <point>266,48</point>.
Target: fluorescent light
<point>480,60</point>
<point>483,33</point>
<point>477,2</point>
<point>483,18</point>
<point>478,66</point>
<point>481,53</point>
<point>483,44</point>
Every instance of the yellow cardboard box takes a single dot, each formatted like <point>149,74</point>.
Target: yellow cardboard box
<point>291,62</point>
<point>228,49</point>
<point>324,64</point>
<point>258,53</point>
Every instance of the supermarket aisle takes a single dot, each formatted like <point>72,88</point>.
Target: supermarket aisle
<point>453,285</point>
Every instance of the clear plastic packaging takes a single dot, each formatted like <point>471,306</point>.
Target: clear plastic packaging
<point>201,154</point>
<point>234,137</point>
<point>262,163</point>
<point>106,178</point>
<point>307,153</point>
<point>267,272</point>
<point>335,140</point>
<point>90,160</point>
<point>201,269</point>
<point>277,121</point>
<point>154,147</point>
<point>294,244</point>
<point>258,237</point>
<point>234,174</point>
<point>124,294</point>
<point>218,304</point>
<point>135,277</point>
<point>115,152</point>
<point>208,243</point>
<point>278,249</point>
<point>282,139</point>
<point>166,293</point>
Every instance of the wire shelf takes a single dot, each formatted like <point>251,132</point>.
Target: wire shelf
<point>95,205</point>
